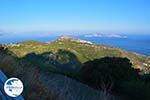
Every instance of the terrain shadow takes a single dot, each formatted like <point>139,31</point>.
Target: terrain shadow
<point>109,74</point>
<point>116,75</point>
<point>62,61</point>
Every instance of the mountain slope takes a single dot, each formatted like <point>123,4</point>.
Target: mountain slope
<point>62,60</point>
<point>74,90</point>
<point>84,51</point>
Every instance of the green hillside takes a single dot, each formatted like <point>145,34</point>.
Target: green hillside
<point>83,51</point>
<point>108,70</point>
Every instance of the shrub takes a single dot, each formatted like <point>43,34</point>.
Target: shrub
<point>138,90</point>
<point>108,70</point>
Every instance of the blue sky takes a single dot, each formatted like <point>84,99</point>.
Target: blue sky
<point>75,15</point>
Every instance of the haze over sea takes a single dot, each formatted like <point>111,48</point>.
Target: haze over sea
<point>134,42</point>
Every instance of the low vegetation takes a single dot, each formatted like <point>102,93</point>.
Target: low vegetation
<point>108,69</point>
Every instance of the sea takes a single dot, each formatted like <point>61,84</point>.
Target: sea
<point>138,43</point>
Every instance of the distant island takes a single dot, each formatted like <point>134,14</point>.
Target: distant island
<point>1,33</point>
<point>105,35</point>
